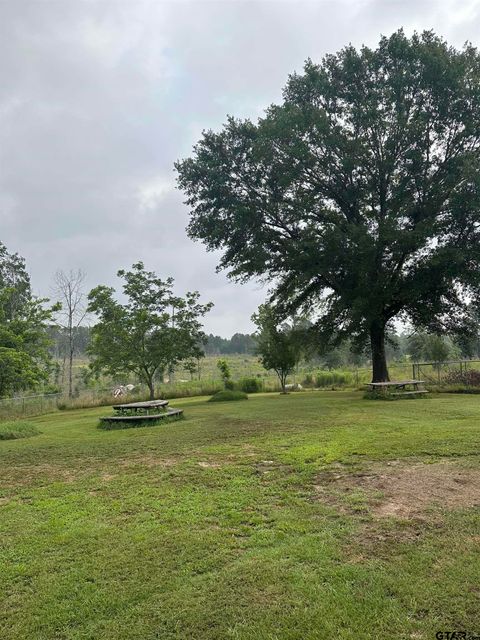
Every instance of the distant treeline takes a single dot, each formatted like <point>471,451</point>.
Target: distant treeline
<point>238,343</point>
<point>242,343</point>
<point>59,341</point>
<point>417,346</point>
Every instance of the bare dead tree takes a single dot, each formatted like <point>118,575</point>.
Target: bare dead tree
<point>69,292</point>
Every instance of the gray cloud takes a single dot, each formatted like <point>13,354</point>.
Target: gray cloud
<point>98,99</point>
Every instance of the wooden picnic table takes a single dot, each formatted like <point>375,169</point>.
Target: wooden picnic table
<point>138,414</point>
<point>134,408</point>
<point>400,385</point>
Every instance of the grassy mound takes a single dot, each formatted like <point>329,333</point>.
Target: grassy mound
<point>16,429</point>
<point>227,395</point>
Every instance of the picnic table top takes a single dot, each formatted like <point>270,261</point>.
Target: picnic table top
<point>395,383</point>
<point>149,404</point>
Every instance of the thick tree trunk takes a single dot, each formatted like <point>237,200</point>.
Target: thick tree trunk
<point>379,360</point>
<point>151,389</point>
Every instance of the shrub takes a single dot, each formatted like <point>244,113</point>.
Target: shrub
<point>16,429</point>
<point>329,378</point>
<point>471,378</point>
<point>249,385</point>
<point>228,394</point>
<point>222,366</point>
<point>308,380</point>
<point>455,388</point>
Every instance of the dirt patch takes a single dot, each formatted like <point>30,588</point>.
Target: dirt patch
<point>43,474</point>
<point>269,466</point>
<point>209,465</point>
<point>39,474</point>
<point>147,461</point>
<point>401,489</point>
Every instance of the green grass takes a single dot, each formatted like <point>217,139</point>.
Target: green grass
<point>17,429</point>
<point>211,527</point>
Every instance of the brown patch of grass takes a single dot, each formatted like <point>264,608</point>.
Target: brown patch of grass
<point>397,502</point>
<point>27,474</point>
<point>106,477</point>
<point>148,461</point>
<point>268,466</point>
<point>401,489</point>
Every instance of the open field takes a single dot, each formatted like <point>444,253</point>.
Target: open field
<point>309,516</point>
<point>208,381</point>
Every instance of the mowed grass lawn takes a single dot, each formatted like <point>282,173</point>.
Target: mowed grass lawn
<point>312,515</point>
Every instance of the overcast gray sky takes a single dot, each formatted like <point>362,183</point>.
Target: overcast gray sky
<point>98,99</point>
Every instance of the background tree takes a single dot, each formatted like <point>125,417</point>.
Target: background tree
<point>191,366</point>
<point>238,343</point>
<point>279,345</point>
<point>222,366</point>
<point>25,361</point>
<point>14,283</point>
<point>359,195</point>
<point>149,334</point>
<point>469,343</point>
<point>432,348</point>
<point>69,292</point>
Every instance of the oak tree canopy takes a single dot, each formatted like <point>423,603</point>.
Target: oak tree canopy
<point>358,196</point>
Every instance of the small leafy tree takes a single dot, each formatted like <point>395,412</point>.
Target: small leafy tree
<point>222,366</point>
<point>151,333</point>
<point>192,367</point>
<point>14,284</point>
<point>25,361</point>
<point>279,345</point>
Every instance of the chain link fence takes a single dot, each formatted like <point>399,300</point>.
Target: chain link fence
<point>452,372</point>
<point>25,406</point>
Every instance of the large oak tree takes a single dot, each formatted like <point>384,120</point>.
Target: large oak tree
<point>358,196</point>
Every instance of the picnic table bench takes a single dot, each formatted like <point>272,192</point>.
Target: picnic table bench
<point>402,387</point>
